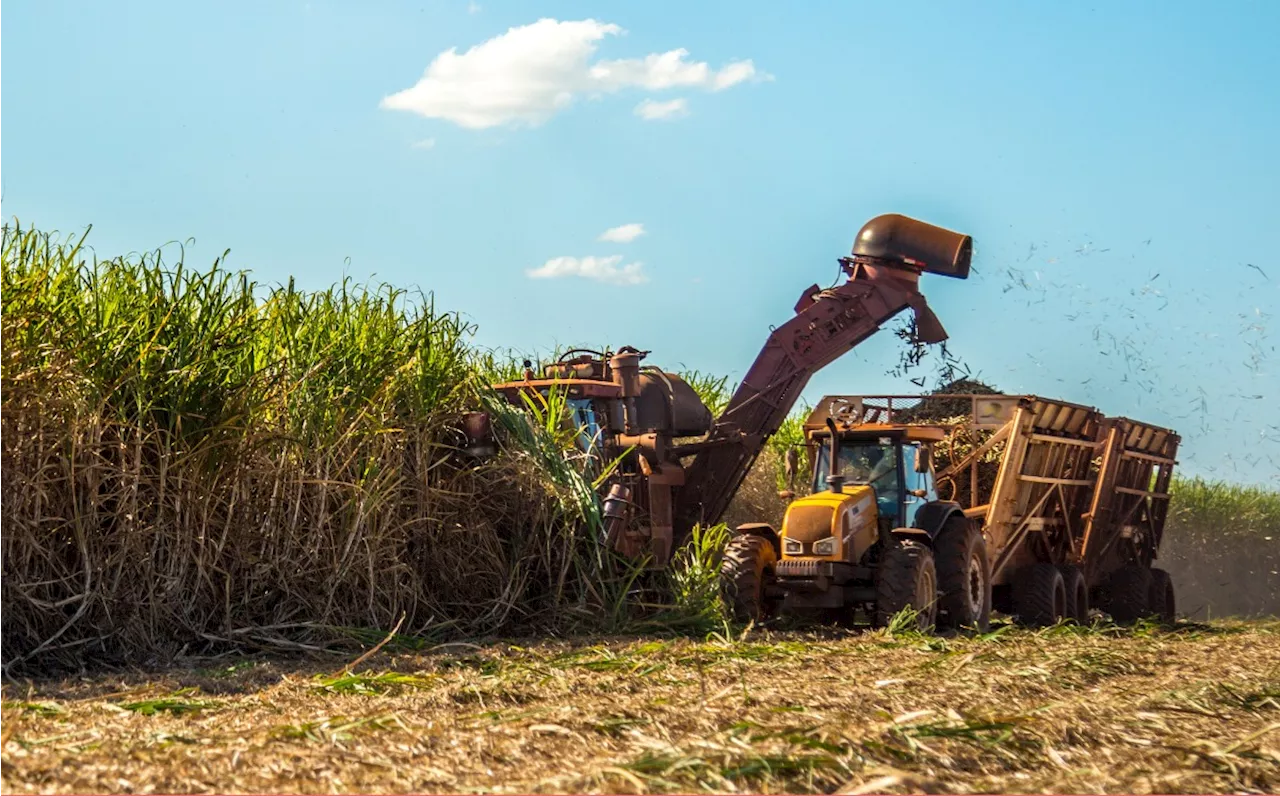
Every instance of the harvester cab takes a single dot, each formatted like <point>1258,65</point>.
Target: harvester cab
<point>629,418</point>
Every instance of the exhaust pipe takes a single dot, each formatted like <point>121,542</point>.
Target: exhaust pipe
<point>835,481</point>
<point>896,240</point>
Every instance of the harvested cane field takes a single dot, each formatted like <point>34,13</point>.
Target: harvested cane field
<point>219,496</point>
<point>1074,710</point>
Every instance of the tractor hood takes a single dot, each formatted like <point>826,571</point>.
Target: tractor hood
<point>824,514</point>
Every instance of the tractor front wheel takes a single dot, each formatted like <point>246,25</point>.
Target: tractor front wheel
<point>745,574</point>
<point>907,579</point>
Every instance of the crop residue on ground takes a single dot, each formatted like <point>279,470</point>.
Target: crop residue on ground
<point>1196,709</point>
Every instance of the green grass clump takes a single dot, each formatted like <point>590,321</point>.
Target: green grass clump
<point>171,705</point>
<point>43,709</point>
<point>693,583</point>
<point>372,683</point>
<point>337,729</point>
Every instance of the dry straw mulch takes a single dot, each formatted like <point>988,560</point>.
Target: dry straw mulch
<point>1063,710</point>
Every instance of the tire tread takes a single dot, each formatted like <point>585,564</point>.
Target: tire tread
<point>951,554</point>
<point>740,577</point>
<point>896,585</point>
<point>1035,595</point>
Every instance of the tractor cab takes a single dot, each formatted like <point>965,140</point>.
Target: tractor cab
<point>893,461</point>
<point>880,480</point>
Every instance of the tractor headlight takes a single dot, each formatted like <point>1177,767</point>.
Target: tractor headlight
<point>825,547</point>
<point>792,547</point>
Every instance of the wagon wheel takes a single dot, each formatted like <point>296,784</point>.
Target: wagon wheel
<point>1040,595</point>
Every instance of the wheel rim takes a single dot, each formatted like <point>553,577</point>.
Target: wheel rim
<point>977,586</point>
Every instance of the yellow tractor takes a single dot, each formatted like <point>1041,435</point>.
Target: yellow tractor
<point>872,536</point>
<point>1039,507</point>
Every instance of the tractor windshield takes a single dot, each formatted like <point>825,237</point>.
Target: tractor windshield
<point>871,463</point>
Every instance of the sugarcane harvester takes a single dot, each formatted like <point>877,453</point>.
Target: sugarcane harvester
<point>680,467</point>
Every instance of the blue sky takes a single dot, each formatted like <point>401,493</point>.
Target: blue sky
<point>1115,163</point>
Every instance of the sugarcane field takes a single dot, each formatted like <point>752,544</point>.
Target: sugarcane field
<point>889,411</point>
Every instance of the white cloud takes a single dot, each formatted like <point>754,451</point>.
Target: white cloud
<point>735,73</point>
<point>669,70</point>
<point>623,234</point>
<point>652,110</point>
<point>426,143</point>
<point>600,269</point>
<point>529,73</point>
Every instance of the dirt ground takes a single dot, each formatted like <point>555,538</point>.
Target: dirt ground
<point>1195,709</point>
<point>1217,577</point>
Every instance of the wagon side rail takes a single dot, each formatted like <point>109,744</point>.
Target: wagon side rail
<point>1126,518</point>
<point>1045,482</point>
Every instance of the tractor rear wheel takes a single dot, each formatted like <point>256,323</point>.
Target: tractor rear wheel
<point>1160,598</point>
<point>907,579</point>
<point>1128,596</point>
<point>745,573</point>
<point>964,576</point>
<point>1040,596</point>
<point>1077,593</point>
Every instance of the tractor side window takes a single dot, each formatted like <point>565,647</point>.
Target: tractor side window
<point>909,468</point>
<point>915,482</point>
<point>885,481</point>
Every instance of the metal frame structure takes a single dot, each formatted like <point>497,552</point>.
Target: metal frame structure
<point>1073,486</point>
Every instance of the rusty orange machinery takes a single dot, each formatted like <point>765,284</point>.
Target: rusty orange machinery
<point>635,413</point>
<point>1072,485</point>
<point>680,466</point>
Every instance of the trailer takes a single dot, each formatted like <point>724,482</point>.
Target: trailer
<point>955,504</point>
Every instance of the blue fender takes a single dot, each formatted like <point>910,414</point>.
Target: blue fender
<point>932,517</point>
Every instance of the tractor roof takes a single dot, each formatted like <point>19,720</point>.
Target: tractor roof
<point>912,432</point>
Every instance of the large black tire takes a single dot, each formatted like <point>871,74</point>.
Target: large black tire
<point>1160,599</point>
<point>964,576</point>
<point>1039,596</point>
<point>745,573</point>
<point>1128,594</point>
<point>1077,593</point>
<point>907,578</point>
